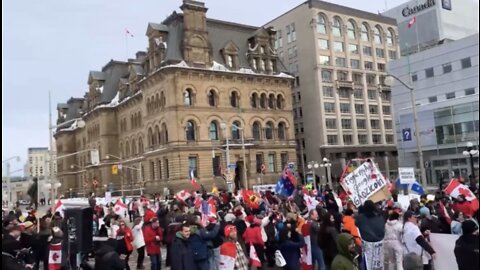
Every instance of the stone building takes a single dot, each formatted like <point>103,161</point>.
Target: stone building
<point>169,112</point>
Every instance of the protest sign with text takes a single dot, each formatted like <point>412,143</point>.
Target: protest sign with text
<point>363,182</point>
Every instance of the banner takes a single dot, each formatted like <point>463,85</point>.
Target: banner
<point>444,244</point>
<point>263,188</point>
<point>363,182</point>
<point>406,175</point>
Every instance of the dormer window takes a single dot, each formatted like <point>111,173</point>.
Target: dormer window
<point>230,61</point>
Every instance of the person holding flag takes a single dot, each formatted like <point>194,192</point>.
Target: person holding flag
<point>232,256</point>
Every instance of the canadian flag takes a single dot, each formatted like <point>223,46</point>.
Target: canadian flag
<point>183,195</point>
<point>254,260</point>
<point>455,189</point>
<point>59,207</point>
<point>120,208</point>
<point>306,255</point>
<point>228,252</point>
<point>195,185</point>
<point>412,22</point>
<point>55,257</point>
<point>310,202</point>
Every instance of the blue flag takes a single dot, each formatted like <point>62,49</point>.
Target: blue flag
<point>417,188</point>
<point>284,186</point>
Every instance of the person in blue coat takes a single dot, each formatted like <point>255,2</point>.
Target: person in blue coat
<point>291,241</point>
<point>199,239</point>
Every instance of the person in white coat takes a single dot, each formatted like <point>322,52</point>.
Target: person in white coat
<point>139,241</point>
<point>392,243</point>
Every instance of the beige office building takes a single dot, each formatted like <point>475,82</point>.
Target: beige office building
<point>338,56</point>
<point>39,162</point>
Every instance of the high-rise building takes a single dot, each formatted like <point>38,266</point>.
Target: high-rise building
<point>205,91</point>
<point>39,162</point>
<point>338,56</point>
<point>423,24</point>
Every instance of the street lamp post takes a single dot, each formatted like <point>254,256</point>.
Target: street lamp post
<point>229,184</point>
<point>471,152</point>
<point>327,165</point>
<point>312,165</point>
<point>7,164</point>
<point>389,81</point>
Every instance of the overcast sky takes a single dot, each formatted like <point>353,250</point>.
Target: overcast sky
<point>51,45</point>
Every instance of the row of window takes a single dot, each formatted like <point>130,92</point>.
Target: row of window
<point>446,68</point>
<point>339,46</point>
<point>258,132</point>
<point>354,63</point>
<point>331,123</point>
<point>452,95</point>
<point>359,108</point>
<point>362,139</point>
<point>357,93</point>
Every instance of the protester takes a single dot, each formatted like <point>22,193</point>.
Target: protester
<point>139,241</point>
<point>124,238</point>
<point>153,236</point>
<point>414,244</point>
<point>467,247</point>
<point>327,239</point>
<point>371,225</point>
<point>393,248</point>
<point>291,240</point>
<point>317,254</point>
<point>346,259</point>
<point>183,259</point>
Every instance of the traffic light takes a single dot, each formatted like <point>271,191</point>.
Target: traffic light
<point>114,169</point>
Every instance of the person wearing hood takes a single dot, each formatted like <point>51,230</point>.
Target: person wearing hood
<point>183,259</point>
<point>429,222</point>
<point>153,236</point>
<point>291,241</point>
<point>392,245</point>
<point>467,246</point>
<point>347,256</point>
<point>199,239</point>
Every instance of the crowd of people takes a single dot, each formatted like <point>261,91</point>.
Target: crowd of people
<point>222,230</point>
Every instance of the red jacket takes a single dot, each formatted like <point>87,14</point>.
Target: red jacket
<point>128,237</point>
<point>253,235</point>
<point>149,214</point>
<point>152,245</point>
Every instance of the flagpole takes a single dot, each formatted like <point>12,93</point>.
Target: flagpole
<point>416,31</point>
<point>126,45</point>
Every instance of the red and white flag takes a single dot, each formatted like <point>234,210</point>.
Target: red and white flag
<point>55,257</point>
<point>120,208</point>
<point>228,252</point>
<point>128,33</point>
<point>254,260</point>
<point>306,251</point>
<point>412,22</point>
<point>59,207</point>
<point>182,195</point>
<point>310,202</point>
<point>195,185</point>
<point>455,189</point>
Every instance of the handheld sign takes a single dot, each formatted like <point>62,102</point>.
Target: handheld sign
<point>363,182</point>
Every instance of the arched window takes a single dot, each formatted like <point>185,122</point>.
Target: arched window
<point>365,36</point>
<point>390,36</point>
<point>377,35</point>
<point>236,131</point>
<point>213,131</point>
<point>281,131</point>
<point>165,133</point>
<point>351,30</point>
<point>190,131</point>
<point>157,136</point>
<point>279,102</point>
<point>127,149</point>
<point>337,27</point>
<point>256,130</point>
<point>157,101</point>
<point>321,24</point>
<point>263,101</point>
<point>234,100</point>
<point>188,97</point>
<point>212,98</point>
<point>254,100</point>
<point>151,140</point>
<point>162,100</point>
<point>121,151</point>
<point>271,101</point>
<point>140,145</point>
<point>134,148</point>
<point>269,131</point>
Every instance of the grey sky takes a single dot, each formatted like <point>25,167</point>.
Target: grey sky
<point>53,44</point>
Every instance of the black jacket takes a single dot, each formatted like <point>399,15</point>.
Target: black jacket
<point>466,252</point>
<point>106,258</point>
<point>183,256</point>
<point>372,228</point>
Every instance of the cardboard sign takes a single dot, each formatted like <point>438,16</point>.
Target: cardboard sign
<point>363,182</point>
<point>407,175</point>
<point>444,245</point>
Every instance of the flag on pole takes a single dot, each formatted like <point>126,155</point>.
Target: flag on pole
<point>417,188</point>
<point>59,207</point>
<point>310,202</point>
<point>128,33</point>
<point>254,260</point>
<point>182,195</point>
<point>455,189</point>
<point>120,208</point>
<point>251,199</point>
<point>55,257</point>
<point>306,251</point>
<point>412,22</point>
<point>195,185</point>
